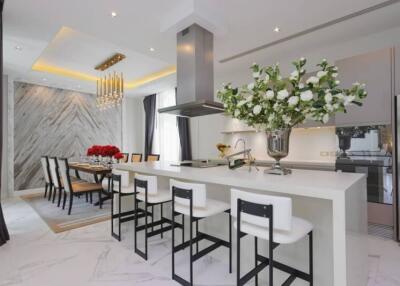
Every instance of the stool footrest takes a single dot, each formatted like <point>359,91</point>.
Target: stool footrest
<point>249,275</point>
<point>290,280</point>
<point>180,280</point>
<point>207,250</point>
<point>285,268</point>
<point>182,246</point>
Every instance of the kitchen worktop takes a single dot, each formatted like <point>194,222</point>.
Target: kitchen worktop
<point>334,202</point>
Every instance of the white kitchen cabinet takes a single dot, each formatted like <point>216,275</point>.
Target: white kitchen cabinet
<point>375,70</point>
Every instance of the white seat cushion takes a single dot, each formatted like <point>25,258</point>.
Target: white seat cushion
<point>300,228</point>
<point>160,197</point>
<point>213,207</point>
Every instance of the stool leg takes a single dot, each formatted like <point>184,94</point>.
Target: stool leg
<point>310,238</point>
<point>191,250</point>
<point>230,243</point>
<point>197,233</point>
<point>161,211</point>
<point>152,217</point>
<point>271,262</point>
<point>183,228</point>
<point>119,216</point>
<point>173,239</point>
<point>112,213</point>
<point>255,257</point>
<point>238,253</point>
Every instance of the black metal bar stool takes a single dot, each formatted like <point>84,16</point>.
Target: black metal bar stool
<point>118,185</point>
<point>191,200</point>
<point>269,218</point>
<point>147,191</point>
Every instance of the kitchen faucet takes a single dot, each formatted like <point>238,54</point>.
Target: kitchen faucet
<point>241,140</point>
<point>246,154</point>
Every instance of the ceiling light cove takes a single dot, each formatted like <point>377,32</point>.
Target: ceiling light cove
<point>150,77</point>
<point>43,67</point>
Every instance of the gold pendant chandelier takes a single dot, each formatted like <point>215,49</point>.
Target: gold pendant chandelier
<point>110,91</point>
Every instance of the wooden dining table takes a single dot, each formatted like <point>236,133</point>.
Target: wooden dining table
<point>99,172</point>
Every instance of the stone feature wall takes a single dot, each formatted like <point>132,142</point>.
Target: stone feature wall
<point>56,122</point>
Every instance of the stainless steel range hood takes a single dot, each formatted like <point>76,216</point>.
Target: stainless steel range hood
<point>195,74</point>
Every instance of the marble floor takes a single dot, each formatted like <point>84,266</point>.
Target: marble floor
<point>89,256</point>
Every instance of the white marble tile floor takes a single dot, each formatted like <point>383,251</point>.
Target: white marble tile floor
<point>89,256</point>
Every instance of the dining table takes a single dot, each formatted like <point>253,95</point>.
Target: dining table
<point>99,172</point>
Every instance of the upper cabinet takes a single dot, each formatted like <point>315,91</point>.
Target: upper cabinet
<point>375,70</point>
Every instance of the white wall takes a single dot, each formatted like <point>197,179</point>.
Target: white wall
<point>133,125</point>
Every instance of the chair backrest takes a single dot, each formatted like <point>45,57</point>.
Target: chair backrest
<point>136,157</point>
<point>282,209</point>
<point>125,159</point>
<point>124,177</point>
<point>152,187</point>
<point>55,177</point>
<point>153,157</point>
<point>64,173</point>
<point>199,193</point>
<point>44,160</point>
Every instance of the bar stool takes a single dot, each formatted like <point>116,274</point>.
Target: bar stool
<point>191,200</point>
<point>257,215</point>
<point>147,191</point>
<point>118,184</point>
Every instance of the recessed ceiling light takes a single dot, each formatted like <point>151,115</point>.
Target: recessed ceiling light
<point>18,48</point>
<point>277,29</point>
<point>152,49</point>
<point>113,14</point>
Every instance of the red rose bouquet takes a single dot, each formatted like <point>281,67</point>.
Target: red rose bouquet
<point>104,151</point>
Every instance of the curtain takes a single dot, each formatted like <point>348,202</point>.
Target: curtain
<point>149,103</point>
<point>184,137</point>
<point>166,136</point>
<point>4,236</point>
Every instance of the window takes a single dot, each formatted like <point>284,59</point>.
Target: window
<point>166,136</point>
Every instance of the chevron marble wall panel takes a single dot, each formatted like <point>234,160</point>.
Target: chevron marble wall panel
<point>56,122</point>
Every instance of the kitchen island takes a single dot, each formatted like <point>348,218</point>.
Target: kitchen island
<point>335,203</point>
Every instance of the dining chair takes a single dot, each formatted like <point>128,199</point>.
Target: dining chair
<point>136,157</point>
<point>125,159</point>
<point>75,188</point>
<point>44,160</point>
<point>55,178</point>
<point>153,157</point>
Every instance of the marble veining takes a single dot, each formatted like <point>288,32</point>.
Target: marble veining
<point>56,122</point>
<point>89,256</point>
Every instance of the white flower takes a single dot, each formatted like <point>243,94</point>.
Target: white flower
<point>301,85</point>
<point>241,103</point>
<point>253,64</point>
<point>306,95</point>
<point>325,118</point>
<point>334,74</point>
<point>257,109</point>
<point>329,107</point>
<point>324,60</point>
<point>294,75</point>
<point>321,74</point>
<point>286,119</point>
<point>267,78</point>
<point>337,82</point>
<point>279,77</point>
<point>293,100</point>
<point>302,59</point>
<point>282,94</point>
<point>271,117</point>
<point>356,84</point>
<point>328,97</point>
<point>335,68</point>
<point>336,106</point>
<point>348,99</point>
<point>313,80</point>
<point>339,95</point>
<point>269,94</point>
<point>256,74</point>
<point>276,105</point>
<point>250,86</point>
<point>237,113</point>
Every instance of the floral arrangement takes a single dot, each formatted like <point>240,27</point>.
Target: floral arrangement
<point>272,102</point>
<point>118,155</point>
<point>104,151</point>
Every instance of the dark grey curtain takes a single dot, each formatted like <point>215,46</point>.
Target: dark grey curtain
<point>149,103</point>
<point>4,236</point>
<point>184,137</point>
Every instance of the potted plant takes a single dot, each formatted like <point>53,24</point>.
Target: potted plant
<point>276,104</point>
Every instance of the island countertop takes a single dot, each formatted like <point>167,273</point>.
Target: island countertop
<point>310,183</point>
<point>334,202</point>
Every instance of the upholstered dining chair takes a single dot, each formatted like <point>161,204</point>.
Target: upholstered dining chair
<point>125,159</point>
<point>55,179</point>
<point>153,157</point>
<point>136,157</point>
<point>44,160</point>
<point>75,188</point>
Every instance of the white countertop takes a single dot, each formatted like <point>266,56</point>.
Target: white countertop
<point>310,183</point>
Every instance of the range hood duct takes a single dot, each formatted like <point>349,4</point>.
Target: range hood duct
<point>195,74</point>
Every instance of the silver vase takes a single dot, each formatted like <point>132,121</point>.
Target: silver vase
<point>278,148</point>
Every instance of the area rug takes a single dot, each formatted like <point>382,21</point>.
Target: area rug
<point>58,220</point>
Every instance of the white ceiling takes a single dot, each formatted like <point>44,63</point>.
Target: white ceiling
<point>238,26</point>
